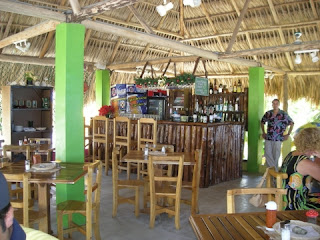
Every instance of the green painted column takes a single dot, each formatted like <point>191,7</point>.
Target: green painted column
<point>255,113</point>
<point>69,104</point>
<point>102,88</point>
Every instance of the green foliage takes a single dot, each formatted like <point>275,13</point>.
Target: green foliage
<point>184,79</point>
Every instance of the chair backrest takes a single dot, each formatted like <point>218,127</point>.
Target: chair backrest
<point>40,140</point>
<point>23,204</point>
<point>158,162</point>
<point>115,163</point>
<point>93,186</point>
<point>99,125</point>
<point>278,176</point>
<point>14,148</point>
<point>277,192</point>
<point>121,134</point>
<point>152,140</point>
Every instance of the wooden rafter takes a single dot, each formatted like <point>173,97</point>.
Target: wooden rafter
<point>6,31</point>
<point>125,32</point>
<point>75,6</point>
<point>49,38</point>
<point>100,7</point>
<point>181,17</point>
<point>214,30</point>
<point>141,20</point>
<point>237,27</point>
<point>283,40</point>
<point>259,30</point>
<point>315,15</point>
<point>115,49</point>
<point>274,49</point>
<point>244,27</point>
<point>36,30</point>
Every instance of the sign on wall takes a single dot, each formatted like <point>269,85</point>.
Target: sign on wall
<point>201,86</point>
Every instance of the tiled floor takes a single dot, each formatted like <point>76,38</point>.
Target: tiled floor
<point>127,227</point>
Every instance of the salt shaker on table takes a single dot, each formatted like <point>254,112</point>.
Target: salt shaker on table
<point>271,214</point>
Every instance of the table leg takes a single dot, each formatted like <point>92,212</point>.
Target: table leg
<point>44,206</point>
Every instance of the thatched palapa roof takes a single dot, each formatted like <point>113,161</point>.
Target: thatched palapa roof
<point>228,35</point>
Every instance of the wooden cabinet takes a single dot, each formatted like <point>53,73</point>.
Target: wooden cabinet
<point>26,106</point>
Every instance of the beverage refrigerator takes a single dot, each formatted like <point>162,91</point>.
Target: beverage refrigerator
<point>157,106</point>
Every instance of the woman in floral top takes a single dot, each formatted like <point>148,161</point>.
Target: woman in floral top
<point>301,170</point>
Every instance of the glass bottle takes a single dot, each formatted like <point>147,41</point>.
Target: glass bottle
<point>215,88</point>
<point>211,89</point>
<point>235,87</point>
<point>239,86</point>
<point>220,88</point>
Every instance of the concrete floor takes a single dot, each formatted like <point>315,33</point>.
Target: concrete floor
<point>125,226</point>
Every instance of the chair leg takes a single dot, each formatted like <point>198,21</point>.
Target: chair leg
<point>136,204</point>
<point>177,215</point>
<point>69,224</point>
<point>145,195</point>
<point>97,224</point>
<point>115,203</point>
<point>128,170</point>
<point>60,225</point>
<point>138,171</point>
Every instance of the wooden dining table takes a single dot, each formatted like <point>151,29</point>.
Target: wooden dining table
<point>136,156</point>
<point>238,225</point>
<point>68,174</point>
<point>42,148</point>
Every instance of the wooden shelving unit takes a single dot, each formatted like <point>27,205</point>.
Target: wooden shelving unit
<point>13,114</point>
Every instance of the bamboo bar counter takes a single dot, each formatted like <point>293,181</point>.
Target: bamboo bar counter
<point>221,144</point>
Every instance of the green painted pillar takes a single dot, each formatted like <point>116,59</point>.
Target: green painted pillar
<point>69,103</point>
<point>102,88</point>
<point>255,113</point>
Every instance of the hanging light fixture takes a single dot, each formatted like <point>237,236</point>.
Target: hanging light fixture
<point>163,9</point>
<point>298,59</point>
<point>192,3</point>
<point>314,56</point>
<point>312,52</point>
<point>22,45</point>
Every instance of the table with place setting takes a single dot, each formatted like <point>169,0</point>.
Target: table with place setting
<point>251,225</point>
<point>45,174</point>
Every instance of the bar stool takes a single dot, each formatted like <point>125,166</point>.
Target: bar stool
<point>122,138</point>
<point>101,137</point>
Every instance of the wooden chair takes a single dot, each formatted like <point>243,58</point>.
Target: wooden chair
<point>24,214</point>
<point>88,129</point>
<point>122,138</point>
<point>123,184</point>
<point>274,177</point>
<point>48,153</point>
<point>151,140</point>
<point>89,208</point>
<point>101,138</point>
<point>243,191</point>
<point>14,148</point>
<point>144,173</point>
<point>160,187</point>
<point>193,186</point>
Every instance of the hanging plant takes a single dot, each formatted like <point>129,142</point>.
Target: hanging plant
<point>181,80</point>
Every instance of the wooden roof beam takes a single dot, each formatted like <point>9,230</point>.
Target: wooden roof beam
<point>8,26</point>
<point>75,6</point>
<point>283,40</point>
<point>49,38</point>
<point>268,29</point>
<point>132,34</point>
<point>100,7</point>
<point>141,20</point>
<point>274,49</point>
<point>36,30</point>
<point>181,17</point>
<point>237,27</point>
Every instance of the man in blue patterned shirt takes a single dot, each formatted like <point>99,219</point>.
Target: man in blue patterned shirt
<point>278,121</point>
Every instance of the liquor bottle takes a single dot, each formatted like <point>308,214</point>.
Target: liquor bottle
<point>25,140</point>
<point>225,106</point>
<point>235,87</point>
<point>211,89</point>
<point>236,105</point>
<point>239,86</point>
<point>220,104</point>
<point>230,106</point>
<point>220,88</point>
<point>225,90</point>
<point>196,108</point>
<point>215,89</point>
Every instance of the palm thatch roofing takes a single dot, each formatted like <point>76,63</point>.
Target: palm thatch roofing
<point>127,33</point>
